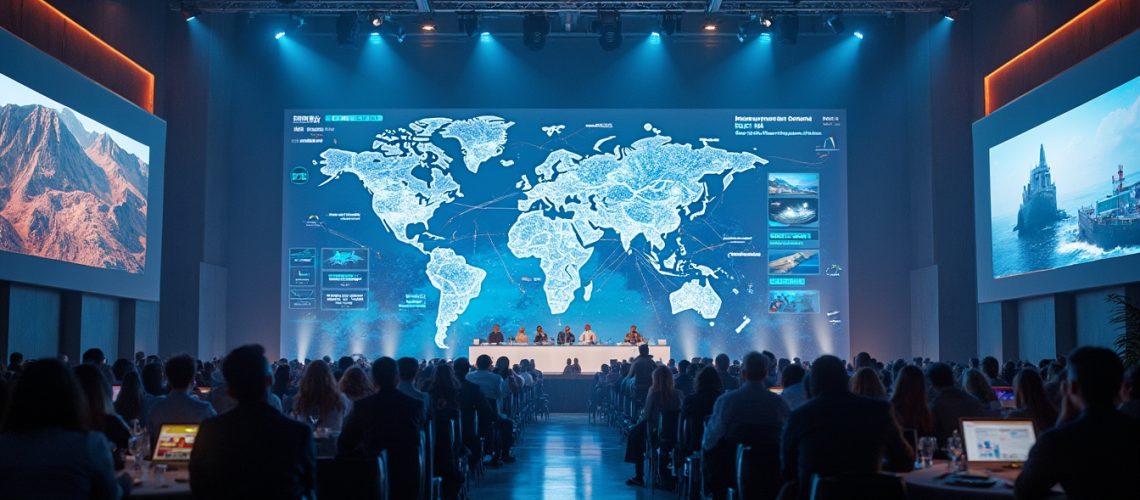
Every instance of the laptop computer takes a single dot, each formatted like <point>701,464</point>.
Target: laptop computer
<point>115,388</point>
<point>1003,443</point>
<point>175,442</point>
<point>1005,396</point>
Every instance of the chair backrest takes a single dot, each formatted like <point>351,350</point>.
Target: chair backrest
<point>667,428</point>
<point>853,487</point>
<point>757,450</point>
<point>353,478</point>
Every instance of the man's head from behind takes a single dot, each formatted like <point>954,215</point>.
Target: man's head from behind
<point>94,356</point>
<point>990,367</point>
<point>828,376</point>
<point>643,349</point>
<point>483,362</point>
<point>1095,376</point>
<point>384,372</point>
<point>721,362</point>
<point>461,366</point>
<point>409,367</point>
<point>755,367</point>
<point>247,373</point>
<point>941,375</point>
<point>180,372</point>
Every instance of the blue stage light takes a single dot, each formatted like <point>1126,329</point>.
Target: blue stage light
<point>279,35</point>
<point>859,35</point>
<point>485,36</point>
<point>655,38</point>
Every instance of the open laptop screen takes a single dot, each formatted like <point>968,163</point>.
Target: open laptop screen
<point>1006,396</point>
<point>175,441</point>
<point>1003,441</point>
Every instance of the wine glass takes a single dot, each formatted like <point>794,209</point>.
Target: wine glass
<point>926,447</point>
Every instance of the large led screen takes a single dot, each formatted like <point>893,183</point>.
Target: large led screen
<point>1056,197</point>
<point>80,180</point>
<point>1067,192</point>
<point>414,232</point>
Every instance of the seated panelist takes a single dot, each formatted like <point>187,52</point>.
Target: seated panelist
<point>496,336</point>
<point>588,336</point>
<point>540,336</point>
<point>633,337</point>
<point>565,337</point>
<point>521,337</point>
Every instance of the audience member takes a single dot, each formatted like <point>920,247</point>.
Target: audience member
<point>839,433</point>
<point>661,398</point>
<point>751,415</point>
<point>409,368</point>
<point>130,401</point>
<point>46,447</point>
<point>1093,455</point>
<point>977,385</point>
<point>354,383</point>
<point>318,397</point>
<point>950,404</point>
<point>642,370</point>
<point>391,421</point>
<point>866,383</point>
<point>909,404</point>
<point>699,405</point>
<point>1031,401</point>
<point>101,412</point>
<point>791,379</point>
<point>178,406</point>
<point>283,385</point>
<point>683,381</point>
<point>1130,392</point>
<point>727,380</point>
<point>252,451</point>
<point>479,416</point>
<point>992,371</point>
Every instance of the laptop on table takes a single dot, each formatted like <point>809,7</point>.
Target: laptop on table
<point>997,443</point>
<point>174,444</point>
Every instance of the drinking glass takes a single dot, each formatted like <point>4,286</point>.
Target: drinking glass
<point>926,447</point>
<point>954,449</point>
<point>160,475</point>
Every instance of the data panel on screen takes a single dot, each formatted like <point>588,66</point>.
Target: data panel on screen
<point>80,180</point>
<point>1067,191</point>
<point>413,232</point>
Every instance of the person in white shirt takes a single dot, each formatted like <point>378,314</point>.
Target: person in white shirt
<point>588,337</point>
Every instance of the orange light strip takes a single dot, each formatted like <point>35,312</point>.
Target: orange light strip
<point>1069,23</point>
<point>148,99</point>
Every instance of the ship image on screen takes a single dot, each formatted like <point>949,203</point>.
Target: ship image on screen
<point>71,189</point>
<point>413,232</point>
<point>1067,192</point>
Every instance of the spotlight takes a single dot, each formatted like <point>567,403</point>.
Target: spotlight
<point>485,36</point>
<point>671,22</point>
<point>608,27</point>
<point>376,20</point>
<point>950,14</point>
<point>400,33</point>
<point>535,28</point>
<point>468,22</point>
<point>655,38</point>
<point>346,28</point>
<point>788,29</point>
<point>428,26</point>
<point>767,21</point>
<point>279,35</point>
<point>835,23</point>
<point>709,26</point>
<point>189,12</point>
<point>859,35</point>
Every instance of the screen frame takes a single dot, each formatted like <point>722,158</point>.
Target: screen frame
<point>966,448</point>
<point>48,76</point>
<point>1083,82</point>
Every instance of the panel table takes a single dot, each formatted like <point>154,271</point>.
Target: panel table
<point>552,358</point>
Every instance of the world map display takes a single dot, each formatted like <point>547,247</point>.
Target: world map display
<point>413,232</point>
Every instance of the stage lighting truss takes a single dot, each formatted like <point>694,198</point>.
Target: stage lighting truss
<point>652,7</point>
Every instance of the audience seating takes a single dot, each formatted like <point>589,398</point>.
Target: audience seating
<point>353,478</point>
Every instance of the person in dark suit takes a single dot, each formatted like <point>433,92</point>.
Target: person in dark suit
<point>839,433</point>
<point>699,405</point>
<point>1093,452</point>
<point>472,403</point>
<point>253,451</point>
<point>496,336</point>
<point>950,404</point>
<point>388,420</point>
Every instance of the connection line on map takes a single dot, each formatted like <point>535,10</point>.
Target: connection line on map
<point>481,206</point>
<point>649,295</point>
<point>503,261</point>
<point>341,235</point>
<point>649,265</point>
<point>801,162</point>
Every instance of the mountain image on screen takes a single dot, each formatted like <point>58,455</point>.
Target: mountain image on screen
<point>68,193</point>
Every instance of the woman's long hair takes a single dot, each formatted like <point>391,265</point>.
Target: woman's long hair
<point>96,392</point>
<point>975,383</point>
<point>318,393</point>
<point>663,385</point>
<point>708,380</point>
<point>1029,393</point>
<point>354,383</point>
<point>908,402</point>
<point>129,403</point>
<point>46,396</point>
<point>444,388</point>
<point>866,383</point>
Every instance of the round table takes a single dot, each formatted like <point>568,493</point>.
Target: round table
<point>931,484</point>
<point>145,486</point>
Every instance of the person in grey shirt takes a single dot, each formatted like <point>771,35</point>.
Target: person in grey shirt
<point>409,368</point>
<point>179,406</point>
<point>950,404</point>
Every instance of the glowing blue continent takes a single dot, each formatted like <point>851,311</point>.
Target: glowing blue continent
<point>458,282</point>
<point>700,298</point>
<point>481,138</point>
<point>559,254</point>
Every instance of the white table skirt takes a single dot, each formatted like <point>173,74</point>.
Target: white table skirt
<point>551,359</point>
